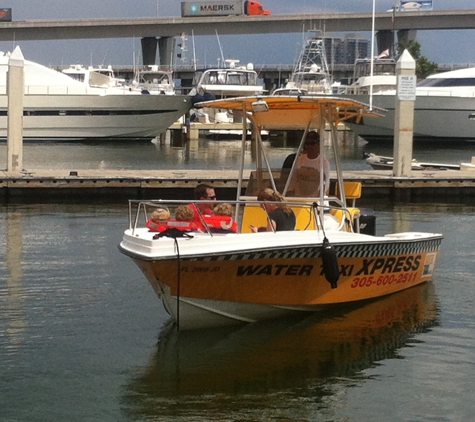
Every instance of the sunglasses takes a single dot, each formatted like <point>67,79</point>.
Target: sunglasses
<point>212,197</point>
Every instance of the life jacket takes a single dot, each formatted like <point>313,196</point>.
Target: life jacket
<point>154,226</point>
<point>220,223</point>
<point>197,219</point>
<point>181,225</point>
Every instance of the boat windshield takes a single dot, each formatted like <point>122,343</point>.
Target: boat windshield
<point>363,68</point>
<point>77,76</point>
<point>443,82</point>
<point>156,78</point>
<point>227,77</point>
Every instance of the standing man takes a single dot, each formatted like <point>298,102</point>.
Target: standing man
<point>202,192</point>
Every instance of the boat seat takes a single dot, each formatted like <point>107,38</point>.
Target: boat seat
<point>352,191</point>
<point>350,216</point>
<point>254,215</point>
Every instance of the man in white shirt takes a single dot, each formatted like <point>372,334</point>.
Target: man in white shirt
<point>306,181</point>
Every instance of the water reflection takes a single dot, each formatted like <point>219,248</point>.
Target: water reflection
<point>13,303</point>
<point>207,370</point>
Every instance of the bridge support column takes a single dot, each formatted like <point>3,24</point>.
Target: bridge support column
<point>166,50</point>
<point>385,41</point>
<point>407,34</point>
<point>149,50</point>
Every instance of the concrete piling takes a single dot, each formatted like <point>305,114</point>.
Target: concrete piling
<point>404,115</point>
<point>15,92</point>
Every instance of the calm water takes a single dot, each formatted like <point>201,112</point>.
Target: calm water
<point>84,338</point>
<point>207,154</point>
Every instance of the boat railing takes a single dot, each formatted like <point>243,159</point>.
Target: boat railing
<point>67,90</point>
<point>247,211</point>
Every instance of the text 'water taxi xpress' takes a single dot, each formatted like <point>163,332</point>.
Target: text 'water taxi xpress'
<point>205,278</point>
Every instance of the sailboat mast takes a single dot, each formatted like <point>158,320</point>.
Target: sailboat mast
<point>372,58</point>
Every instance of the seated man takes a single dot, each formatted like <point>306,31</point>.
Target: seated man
<point>202,192</point>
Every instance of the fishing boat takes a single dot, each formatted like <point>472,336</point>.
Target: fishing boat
<point>381,162</point>
<point>57,107</point>
<point>311,75</point>
<point>208,279</point>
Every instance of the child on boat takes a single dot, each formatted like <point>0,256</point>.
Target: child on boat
<point>158,221</point>
<point>221,221</point>
<point>183,219</point>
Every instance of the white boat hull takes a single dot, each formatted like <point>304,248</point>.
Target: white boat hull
<point>234,278</point>
<point>436,118</point>
<point>78,117</point>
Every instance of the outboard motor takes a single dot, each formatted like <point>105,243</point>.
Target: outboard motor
<point>367,221</point>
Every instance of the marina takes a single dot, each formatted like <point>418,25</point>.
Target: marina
<point>363,309</point>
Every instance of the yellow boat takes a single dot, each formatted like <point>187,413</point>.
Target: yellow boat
<point>208,279</point>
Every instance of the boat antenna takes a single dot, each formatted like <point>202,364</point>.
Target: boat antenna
<point>220,49</point>
<point>194,51</point>
<point>372,59</point>
<point>105,56</point>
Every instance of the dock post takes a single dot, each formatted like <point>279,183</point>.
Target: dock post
<point>186,129</point>
<point>15,92</point>
<point>404,115</point>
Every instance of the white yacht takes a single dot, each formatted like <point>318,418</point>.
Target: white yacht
<point>57,107</point>
<point>444,110</point>
<point>155,80</point>
<point>99,77</point>
<point>220,83</point>
<point>383,78</point>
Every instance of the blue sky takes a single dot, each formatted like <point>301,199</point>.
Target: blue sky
<point>439,46</point>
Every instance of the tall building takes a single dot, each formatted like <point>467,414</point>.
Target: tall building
<point>345,50</point>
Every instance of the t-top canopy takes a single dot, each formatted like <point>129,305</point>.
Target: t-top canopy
<point>292,112</point>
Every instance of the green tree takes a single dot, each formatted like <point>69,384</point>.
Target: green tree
<point>424,67</point>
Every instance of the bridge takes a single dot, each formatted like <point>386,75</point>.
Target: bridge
<point>161,30</point>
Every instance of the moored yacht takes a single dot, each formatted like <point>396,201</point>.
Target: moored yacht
<point>220,83</point>
<point>155,80</point>
<point>443,110</point>
<point>383,77</point>
<point>99,77</point>
<point>57,107</point>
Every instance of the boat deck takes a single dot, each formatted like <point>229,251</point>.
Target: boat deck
<point>443,185</point>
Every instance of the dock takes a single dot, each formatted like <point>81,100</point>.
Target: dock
<point>120,184</point>
<point>198,129</point>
